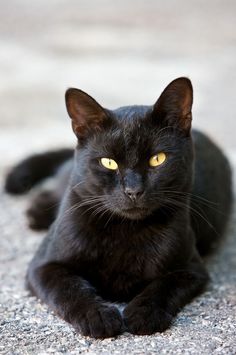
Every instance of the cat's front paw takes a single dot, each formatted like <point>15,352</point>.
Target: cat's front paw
<point>143,318</point>
<point>100,322</point>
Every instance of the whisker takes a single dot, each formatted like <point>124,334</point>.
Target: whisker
<point>96,207</point>
<point>187,194</point>
<point>181,204</point>
<point>87,201</point>
<point>194,199</point>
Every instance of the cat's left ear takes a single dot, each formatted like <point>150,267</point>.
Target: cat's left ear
<point>86,114</point>
<point>174,106</point>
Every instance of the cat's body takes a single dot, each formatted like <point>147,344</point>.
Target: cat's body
<point>131,231</point>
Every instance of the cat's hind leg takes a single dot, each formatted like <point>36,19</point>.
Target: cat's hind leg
<point>47,198</point>
<point>43,209</point>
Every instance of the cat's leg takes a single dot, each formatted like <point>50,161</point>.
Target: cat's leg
<point>154,309</point>
<point>74,300</point>
<point>34,169</point>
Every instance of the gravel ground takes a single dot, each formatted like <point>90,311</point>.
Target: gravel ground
<point>121,53</point>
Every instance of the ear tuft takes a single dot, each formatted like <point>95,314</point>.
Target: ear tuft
<point>174,106</point>
<point>86,114</point>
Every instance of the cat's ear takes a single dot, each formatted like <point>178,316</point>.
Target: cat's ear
<point>174,106</point>
<point>86,114</point>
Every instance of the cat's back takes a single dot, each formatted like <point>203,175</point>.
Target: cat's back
<point>212,192</point>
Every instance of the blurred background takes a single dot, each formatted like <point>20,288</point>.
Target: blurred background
<point>121,53</point>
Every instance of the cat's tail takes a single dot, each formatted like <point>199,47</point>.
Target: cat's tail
<point>34,169</point>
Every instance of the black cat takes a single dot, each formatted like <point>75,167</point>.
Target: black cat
<point>142,198</point>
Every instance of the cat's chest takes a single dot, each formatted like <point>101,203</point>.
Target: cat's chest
<point>121,267</point>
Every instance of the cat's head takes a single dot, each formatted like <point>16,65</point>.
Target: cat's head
<point>132,160</point>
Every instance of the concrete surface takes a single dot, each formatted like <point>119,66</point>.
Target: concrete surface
<point>121,53</point>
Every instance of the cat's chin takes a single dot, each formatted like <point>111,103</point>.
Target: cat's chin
<point>134,213</point>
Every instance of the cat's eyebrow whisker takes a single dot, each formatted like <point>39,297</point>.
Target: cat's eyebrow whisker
<point>163,129</point>
<point>161,135</point>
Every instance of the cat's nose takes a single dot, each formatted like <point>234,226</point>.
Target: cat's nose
<point>133,192</point>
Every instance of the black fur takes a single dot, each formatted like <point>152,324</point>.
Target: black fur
<point>106,247</point>
<point>43,210</point>
<point>34,169</point>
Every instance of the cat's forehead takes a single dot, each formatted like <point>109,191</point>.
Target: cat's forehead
<point>131,128</point>
<point>130,136</point>
<point>130,122</point>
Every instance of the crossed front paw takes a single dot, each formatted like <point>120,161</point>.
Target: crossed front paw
<point>144,318</point>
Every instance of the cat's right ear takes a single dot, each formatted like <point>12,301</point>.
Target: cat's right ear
<point>86,114</point>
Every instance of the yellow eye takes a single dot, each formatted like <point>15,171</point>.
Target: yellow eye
<point>109,163</point>
<point>157,159</point>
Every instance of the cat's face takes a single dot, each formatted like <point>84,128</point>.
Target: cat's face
<point>131,160</point>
